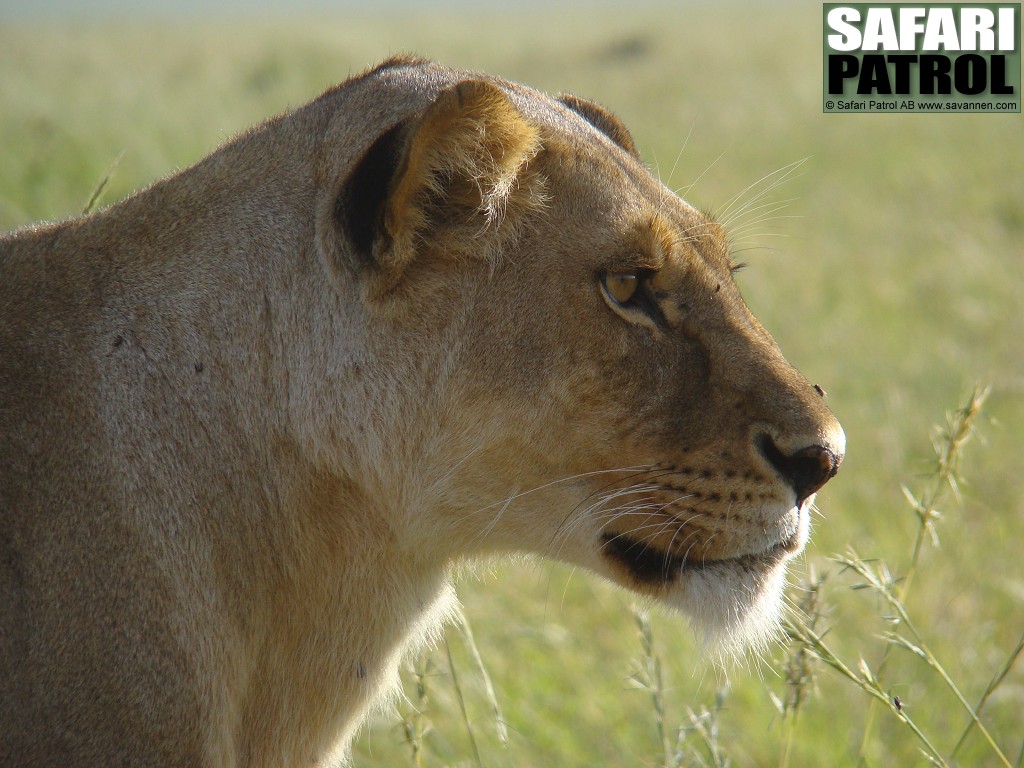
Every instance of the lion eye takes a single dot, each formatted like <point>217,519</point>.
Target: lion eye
<point>621,287</point>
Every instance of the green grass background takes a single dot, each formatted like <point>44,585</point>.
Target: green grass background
<point>895,282</point>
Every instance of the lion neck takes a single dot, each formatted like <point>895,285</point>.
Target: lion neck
<point>318,589</point>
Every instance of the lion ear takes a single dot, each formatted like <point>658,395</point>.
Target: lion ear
<point>603,120</point>
<point>441,181</point>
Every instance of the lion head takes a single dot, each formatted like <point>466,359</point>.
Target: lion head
<point>562,362</point>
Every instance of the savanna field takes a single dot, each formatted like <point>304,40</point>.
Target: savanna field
<point>886,255</point>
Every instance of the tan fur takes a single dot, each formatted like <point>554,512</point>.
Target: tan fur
<point>252,417</point>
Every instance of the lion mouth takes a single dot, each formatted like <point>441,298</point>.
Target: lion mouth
<point>650,565</point>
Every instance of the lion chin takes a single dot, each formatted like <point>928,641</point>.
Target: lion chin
<point>254,417</point>
<point>735,603</point>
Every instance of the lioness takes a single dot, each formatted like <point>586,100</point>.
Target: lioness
<point>252,418</point>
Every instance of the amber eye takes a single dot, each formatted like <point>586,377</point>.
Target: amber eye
<point>621,287</point>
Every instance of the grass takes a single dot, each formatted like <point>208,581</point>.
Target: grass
<point>904,634</point>
<point>892,277</point>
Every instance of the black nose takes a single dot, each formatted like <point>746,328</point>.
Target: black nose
<point>806,470</point>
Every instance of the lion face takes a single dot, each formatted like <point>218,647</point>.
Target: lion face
<point>598,391</point>
<point>688,448</point>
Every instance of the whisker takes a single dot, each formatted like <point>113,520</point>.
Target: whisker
<point>756,213</point>
<point>684,191</point>
<point>446,478</point>
<point>777,177</point>
<point>608,516</point>
<point>571,512</point>
<point>679,156</point>
<point>504,503</point>
<point>746,226</point>
<point>753,248</point>
<point>482,536</point>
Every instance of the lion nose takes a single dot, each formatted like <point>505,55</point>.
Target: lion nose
<point>805,470</point>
